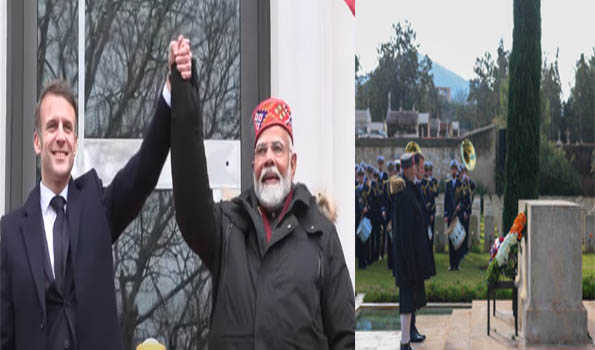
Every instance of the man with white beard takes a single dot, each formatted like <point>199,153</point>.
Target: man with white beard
<point>279,275</point>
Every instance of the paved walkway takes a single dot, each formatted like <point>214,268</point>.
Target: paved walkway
<point>466,329</point>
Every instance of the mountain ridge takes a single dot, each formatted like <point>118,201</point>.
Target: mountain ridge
<point>445,77</point>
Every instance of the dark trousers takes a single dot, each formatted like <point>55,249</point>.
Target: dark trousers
<point>363,249</point>
<point>412,297</point>
<point>375,240</point>
<point>452,255</point>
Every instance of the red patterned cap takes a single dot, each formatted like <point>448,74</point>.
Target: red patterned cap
<point>272,111</point>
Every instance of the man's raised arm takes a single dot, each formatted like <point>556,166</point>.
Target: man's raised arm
<point>195,211</point>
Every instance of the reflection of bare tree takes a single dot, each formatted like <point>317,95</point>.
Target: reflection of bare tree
<point>217,51</point>
<point>57,53</point>
<point>128,62</point>
<point>163,289</point>
<point>125,58</point>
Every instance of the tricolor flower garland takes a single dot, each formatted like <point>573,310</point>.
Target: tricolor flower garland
<point>504,251</point>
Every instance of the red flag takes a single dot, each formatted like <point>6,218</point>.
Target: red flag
<point>351,4</point>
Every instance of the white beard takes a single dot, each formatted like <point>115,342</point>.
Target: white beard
<point>271,196</point>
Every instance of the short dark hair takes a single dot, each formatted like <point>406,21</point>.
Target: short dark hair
<point>56,88</point>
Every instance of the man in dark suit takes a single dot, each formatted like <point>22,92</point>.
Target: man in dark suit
<point>382,176</point>
<point>388,219</point>
<point>57,278</point>
<point>463,212</point>
<point>450,208</point>
<point>419,161</point>
<point>361,248</point>
<point>411,261</point>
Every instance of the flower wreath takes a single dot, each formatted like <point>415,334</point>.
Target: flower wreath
<point>504,251</point>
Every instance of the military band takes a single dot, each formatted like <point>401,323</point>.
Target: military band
<point>401,204</point>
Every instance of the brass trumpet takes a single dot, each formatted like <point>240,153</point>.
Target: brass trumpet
<point>468,154</point>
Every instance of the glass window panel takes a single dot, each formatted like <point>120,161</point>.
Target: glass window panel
<point>163,290</point>
<point>57,42</point>
<point>126,62</point>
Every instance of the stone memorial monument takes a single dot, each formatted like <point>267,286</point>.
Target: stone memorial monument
<point>550,274</point>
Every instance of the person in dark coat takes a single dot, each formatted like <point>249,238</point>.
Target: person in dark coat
<point>279,276</point>
<point>375,202</point>
<point>419,161</point>
<point>361,209</point>
<point>57,277</point>
<point>430,192</point>
<point>463,209</point>
<point>383,198</point>
<point>389,214</point>
<point>450,209</point>
<point>410,250</point>
<point>366,195</point>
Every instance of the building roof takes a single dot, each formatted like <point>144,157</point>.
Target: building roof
<point>402,118</point>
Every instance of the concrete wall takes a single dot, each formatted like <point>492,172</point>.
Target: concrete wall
<point>3,53</point>
<point>440,152</point>
<point>312,49</point>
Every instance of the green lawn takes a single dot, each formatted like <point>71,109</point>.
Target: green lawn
<point>454,286</point>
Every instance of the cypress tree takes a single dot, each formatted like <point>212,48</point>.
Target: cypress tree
<point>522,134</point>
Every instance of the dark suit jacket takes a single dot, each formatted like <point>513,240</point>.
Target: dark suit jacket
<point>96,218</point>
<point>412,262</point>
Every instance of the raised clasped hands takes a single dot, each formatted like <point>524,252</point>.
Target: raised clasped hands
<point>180,54</point>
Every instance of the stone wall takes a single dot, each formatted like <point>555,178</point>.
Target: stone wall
<point>440,151</point>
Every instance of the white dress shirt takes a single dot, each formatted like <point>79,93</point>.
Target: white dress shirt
<point>49,216</point>
<point>166,95</point>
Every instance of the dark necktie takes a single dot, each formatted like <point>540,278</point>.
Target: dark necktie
<point>60,238</point>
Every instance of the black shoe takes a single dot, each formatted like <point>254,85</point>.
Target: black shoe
<point>406,346</point>
<point>416,337</point>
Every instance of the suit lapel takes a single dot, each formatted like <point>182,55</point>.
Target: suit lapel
<point>33,235</point>
<point>73,212</point>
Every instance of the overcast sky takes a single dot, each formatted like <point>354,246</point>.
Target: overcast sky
<point>454,33</point>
